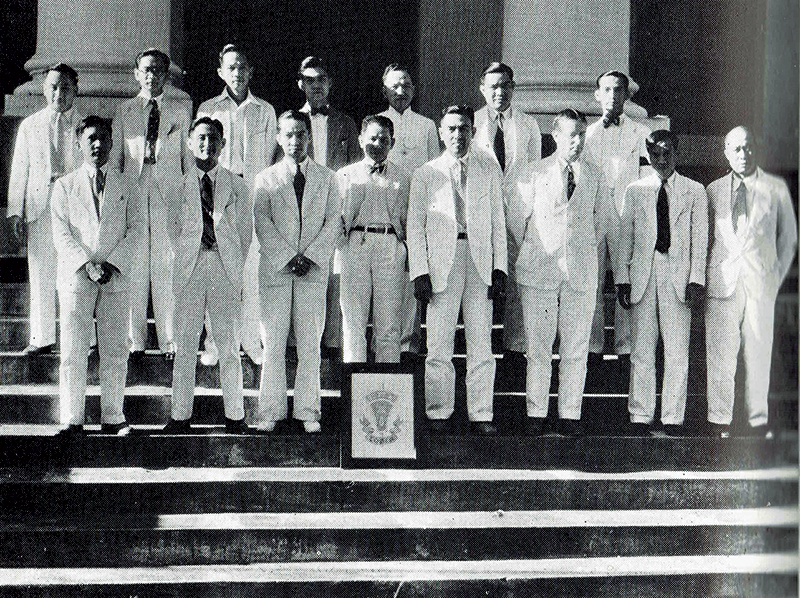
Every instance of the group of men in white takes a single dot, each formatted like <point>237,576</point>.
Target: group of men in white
<point>266,230</point>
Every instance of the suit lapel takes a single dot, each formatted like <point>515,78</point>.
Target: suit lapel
<point>222,193</point>
<point>42,131</point>
<point>678,202</point>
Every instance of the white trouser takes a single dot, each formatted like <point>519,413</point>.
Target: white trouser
<point>78,305</point>
<point>152,270</point>
<point>659,309</point>
<point>514,321</point>
<point>209,289</point>
<point>466,290</point>
<point>747,321</point>
<point>303,305</point>
<point>373,268</point>
<point>608,225</point>
<point>332,333</point>
<point>411,325</point>
<point>569,312</point>
<point>42,280</point>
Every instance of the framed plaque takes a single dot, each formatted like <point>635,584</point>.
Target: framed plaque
<point>381,408</point>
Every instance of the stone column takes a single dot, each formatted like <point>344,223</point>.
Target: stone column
<point>100,39</point>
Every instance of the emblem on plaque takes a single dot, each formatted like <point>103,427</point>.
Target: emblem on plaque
<point>379,422</point>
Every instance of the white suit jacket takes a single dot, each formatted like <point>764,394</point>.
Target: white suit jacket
<point>354,179</point>
<point>80,236</point>
<point>549,253</point>
<point>260,128</point>
<point>29,184</point>
<point>764,251</point>
<point>432,228</point>
<point>278,224</point>
<point>688,217</point>
<point>528,142</point>
<point>416,138</point>
<point>173,157</point>
<point>233,225</point>
<point>632,143</point>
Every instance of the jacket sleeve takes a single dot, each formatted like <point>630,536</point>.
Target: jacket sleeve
<point>122,256</point>
<point>70,251</point>
<point>624,250</point>
<point>786,241</point>
<point>433,141</point>
<point>185,121</point>
<point>321,248</point>
<point>699,232</point>
<point>401,202</point>
<point>270,137</point>
<point>116,159</point>
<point>20,171</point>
<point>535,142</point>
<point>244,214</point>
<point>415,234</point>
<point>274,247</point>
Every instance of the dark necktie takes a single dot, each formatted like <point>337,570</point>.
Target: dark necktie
<point>99,185</point>
<point>739,205</point>
<point>662,220</point>
<point>207,199</point>
<point>608,121</point>
<point>299,186</point>
<point>323,111</point>
<point>379,168</point>
<point>153,122</point>
<point>57,161</point>
<point>570,181</point>
<point>500,143</point>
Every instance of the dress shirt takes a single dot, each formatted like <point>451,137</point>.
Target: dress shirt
<point>319,136</point>
<point>61,153</point>
<point>412,134</point>
<point>91,172</point>
<point>459,192</point>
<point>509,131</point>
<point>237,132</point>
<point>611,157</point>
<point>375,209</point>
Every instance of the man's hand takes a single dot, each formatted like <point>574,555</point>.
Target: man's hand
<point>18,229</point>
<point>93,271</point>
<point>497,292</point>
<point>624,295</point>
<point>108,272</point>
<point>695,296</point>
<point>300,265</point>
<point>423,289</point>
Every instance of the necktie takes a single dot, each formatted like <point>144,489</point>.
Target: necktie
<point>57,166</point>
<point>460,191</point>
<point>662,220</point>
<point>608,121</point>
<point>323,111</point>
<point>99,186</point>
<point>500,143</point>
<point>153,121</point>
<point>299,186</point>
<point>379,168</point>
<point>570,181</point>
<point>739,205</point>
<point>207,199</point>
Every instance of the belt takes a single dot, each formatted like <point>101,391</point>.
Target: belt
<point>387,229</point>
<point>462,236</point>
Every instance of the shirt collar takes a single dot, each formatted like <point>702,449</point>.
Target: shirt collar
<point>507,113</point>
<point>291,165</point>
<point>92,171</point>
<point>212,174</point>
<point>670,182</point>
<point>748,181</point>
<point>146,98</point>
<point>248,100</point>
<point>393,113</point>
<point>67,115</point>
<point>451,160</point>
<point>369,162</point>
<point>307,108</point>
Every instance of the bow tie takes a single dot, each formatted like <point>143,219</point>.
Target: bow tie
<point>608,121</point>
<point>323,111</point>
<point>379,168</point>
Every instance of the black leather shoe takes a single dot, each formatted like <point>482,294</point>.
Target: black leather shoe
<point>137,356</point>
<point>120,429</point>
<point>719,430</point>
<point>169,356</point>
<point>674,430</point>
<point>175,426</point>
<point>439,426</point>
<point>570,427</point>
<point>71,432</point>
<point>483,428</point>
<point>236,426</point>
<point>763,431</point>
<point>534,426</point>
<point>638,429</point>
<point>33,350</point>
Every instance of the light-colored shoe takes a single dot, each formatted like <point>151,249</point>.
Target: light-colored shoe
<point>256,356</point>
<point>312,427</point>
<point>268,426</point>
<point>210,354</point>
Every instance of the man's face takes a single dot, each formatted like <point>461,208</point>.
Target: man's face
<point>293,138</point>
<point>316,84</point>
<point>95,145</point>
<point>376,142</point>
<point>569,136</point>
<point>662,158</point>
<point>398,89</point>
<point>236,73</point>
<point>206,143</point>
<point>151,75</point>
<point>59,91</point>
<point>740,151</point>
<point>497,90</point>
<point>456,131</point>
<point>611,94</point>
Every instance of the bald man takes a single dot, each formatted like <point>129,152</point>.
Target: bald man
<point>753,237</point>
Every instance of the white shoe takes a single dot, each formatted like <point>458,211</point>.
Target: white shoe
<point>268,426</point>
<point>312,427</point>
<point>210,354</point>
<point>257,356</point>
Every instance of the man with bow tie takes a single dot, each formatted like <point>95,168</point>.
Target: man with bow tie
<point>660,275</point>
<point>375,193</point>
<point>753,242</point>
<point>616,145</point>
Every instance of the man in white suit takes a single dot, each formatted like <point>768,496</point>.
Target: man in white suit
<point>249,124</point>
<point>458,259</point>
<point>753,240</point>
<point>556,282</point>
<point>616,145</point>
<point>297,213</point>
<point>96,225</point>
<point>660,274</point>
<point>211,225</point>
<point>416,142</point>
<point>514,140</point>
<point>375,193</point>
<point>45,150</point>
<point>150,146</point>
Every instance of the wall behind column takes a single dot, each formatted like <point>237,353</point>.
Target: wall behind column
<point>17,43</point>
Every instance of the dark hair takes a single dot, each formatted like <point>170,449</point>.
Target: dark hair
<point>232,48</point>
<point>618,74</point>
<point>155,53</point>
<point>498,67</point>
<point>93,121</point>
<point>312,62</point>
<point>660,135</point>
<point>211,122</point>
<point>379,120</point>
<point>394,67</point>
<point>569,114</point>
<point>461,109</point>
<point>296,115</point>
<point>65,70</point>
